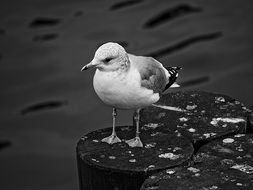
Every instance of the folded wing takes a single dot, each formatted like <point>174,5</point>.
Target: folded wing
<point>152,72</point>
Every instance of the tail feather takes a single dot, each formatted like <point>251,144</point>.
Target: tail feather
<point>173,77</point>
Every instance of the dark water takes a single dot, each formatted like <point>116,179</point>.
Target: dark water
<point>47,103</point>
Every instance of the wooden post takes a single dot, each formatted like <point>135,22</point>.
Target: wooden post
<point>178,125</point>
<point>222,164</point>
<point>120,167</point>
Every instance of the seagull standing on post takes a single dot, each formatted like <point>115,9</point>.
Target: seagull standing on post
<point>126,81</point>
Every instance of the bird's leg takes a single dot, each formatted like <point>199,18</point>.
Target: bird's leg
<point>136,142</point>
<point>113,137</point>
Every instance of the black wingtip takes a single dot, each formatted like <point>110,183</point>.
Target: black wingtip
<point>174,74</point>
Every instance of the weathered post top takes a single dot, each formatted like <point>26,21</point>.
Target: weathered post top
<point>226,163</point>
<point>118,166</point>
<point>178,125</point>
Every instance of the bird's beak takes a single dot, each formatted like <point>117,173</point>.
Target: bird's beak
<point>91,64</point>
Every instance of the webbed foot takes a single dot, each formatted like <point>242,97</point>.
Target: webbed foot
<point>111,139</point>
<point>135,142</point>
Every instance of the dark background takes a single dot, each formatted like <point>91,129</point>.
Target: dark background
<point>47,104</point>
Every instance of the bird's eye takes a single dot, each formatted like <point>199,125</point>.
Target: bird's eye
<point>108,59</point>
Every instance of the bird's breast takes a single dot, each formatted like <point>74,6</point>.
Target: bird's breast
<point>122,90</point>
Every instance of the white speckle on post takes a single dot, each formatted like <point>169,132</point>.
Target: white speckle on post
<point>150,145</point>
<point>84,138</point>
<point>189,113</point>
<point>151,166</point>
<point>132,160</point>
<point>246,109</point>
<point>239,148</point>
<point>170,171</point>
<point>169,108</point>
<point>238,184</point>
<point>237,102</point>
<point>188,107</point>
<point>155,134</point>
<point>227,161</point>
<point>224,125</point>
<point>152,177</point>
<point>151,125</point>
<point>162,114</point>
<point>215,121</point>
<point>169,156</point>
<point>192,130</point>
<point>228,140</point>
<point>231,120</point>
<point>239,135</point>
<point>94,160</point>
<point>183,119</point>
<point>213,187</point>
<point>176,149</point>
<point>102,156</point>
<point>208,135</point>
<point>178,134</point>
<point>192,169</point>
<point>219,99</point>
<point>243,168</point>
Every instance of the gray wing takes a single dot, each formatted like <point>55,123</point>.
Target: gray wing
<point>152,72</point>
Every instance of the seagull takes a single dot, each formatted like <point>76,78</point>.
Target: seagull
<point>126,81</point>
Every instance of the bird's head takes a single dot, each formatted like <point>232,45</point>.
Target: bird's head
<point>109,57</point>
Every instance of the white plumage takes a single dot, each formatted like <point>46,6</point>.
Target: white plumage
<point>123,90</point>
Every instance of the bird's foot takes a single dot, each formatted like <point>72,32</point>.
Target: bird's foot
<point>135,142</point>
<point>111,139</point>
